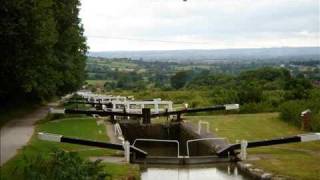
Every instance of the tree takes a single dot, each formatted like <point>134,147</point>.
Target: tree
<point>298,88</point>
<point>27,35</point>
<point>43,49</point>
<point>250,92</point>
<point>70,48</point>
<point>179,79</point>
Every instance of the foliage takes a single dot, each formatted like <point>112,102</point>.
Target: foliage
<point>223,96</point>
<point>43,49</point>
<point>315,122</point>
<point>290,111</point>
<point>180,79</point>
<point>127,81</point>
<point>62,165</point>
<point>257,87</point>
<point>250,92</point>
<point>256,107</point>
<point>81,127</point>
<point>208,79</point>
<point>298,88</point>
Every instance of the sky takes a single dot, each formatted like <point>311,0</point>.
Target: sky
<point>112,25</point>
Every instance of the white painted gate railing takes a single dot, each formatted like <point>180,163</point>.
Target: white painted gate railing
<point>243,151</point>
<point>118,132</point>
<point>201,139</point>
<point>161,140</point>
<point>200,123</point>
<point>126,147</point>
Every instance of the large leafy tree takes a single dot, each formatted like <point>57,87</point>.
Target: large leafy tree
<point>71,47</point>
<point>42,49</point>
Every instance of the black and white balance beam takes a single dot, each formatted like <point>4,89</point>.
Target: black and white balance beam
<point>283,140</point>
<point>64,139</point>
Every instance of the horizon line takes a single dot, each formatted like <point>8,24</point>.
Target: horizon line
<point>205,49</point>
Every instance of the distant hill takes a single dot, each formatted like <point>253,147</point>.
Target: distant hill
<point>258,54</point>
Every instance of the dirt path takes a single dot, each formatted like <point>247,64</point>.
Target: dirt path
<point>17,132</point>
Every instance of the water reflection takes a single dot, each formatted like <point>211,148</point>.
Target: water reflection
<point>217,172</point>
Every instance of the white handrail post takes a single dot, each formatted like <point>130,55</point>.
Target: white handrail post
<point>127,151</point>
<point>199,126</point>
<point>243,152</point>
<point>156,107</point>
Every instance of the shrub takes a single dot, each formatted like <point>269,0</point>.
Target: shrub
<point>62,165</point>
<point>315,122</point>
<point>256,107</point>
<point>290,112</point>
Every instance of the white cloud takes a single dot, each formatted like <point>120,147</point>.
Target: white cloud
<point>208,23</point>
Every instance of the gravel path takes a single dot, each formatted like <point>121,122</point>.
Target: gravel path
<point>17,132</point>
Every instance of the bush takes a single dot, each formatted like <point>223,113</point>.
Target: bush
<point>315,122</point>
<point>62,165</point>
<point>290,112</point>
<point>256,107</point>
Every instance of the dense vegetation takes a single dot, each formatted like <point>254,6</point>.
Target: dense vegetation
<point>257,87</point>
<point>43,49</point>
<point>62,165</point>
<point>291,111</point>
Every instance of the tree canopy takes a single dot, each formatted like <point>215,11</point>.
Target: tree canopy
<point>43,49</point>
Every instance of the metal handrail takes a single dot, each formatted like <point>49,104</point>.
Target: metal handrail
<point>160,140</point>
<point>117,129</point>
<point>118,132</point>
<point>200,139</point>
<point>200,126</point>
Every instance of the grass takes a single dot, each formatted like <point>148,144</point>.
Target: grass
<point>85,128</point>
<point>96,83</point>
<point>117,64</point>
<point>122,171</point>
<point>297,160</point>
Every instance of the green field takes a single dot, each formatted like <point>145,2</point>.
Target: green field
<point>85,128</point>
<point>97,83</point>
<point>298,160</point>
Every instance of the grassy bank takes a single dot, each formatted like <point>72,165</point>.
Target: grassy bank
<point>81,127</point>
<point>298,160</point>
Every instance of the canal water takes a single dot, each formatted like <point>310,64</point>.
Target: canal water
<point>208,172</point>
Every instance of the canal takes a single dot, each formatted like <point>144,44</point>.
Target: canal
<point>221,171</point>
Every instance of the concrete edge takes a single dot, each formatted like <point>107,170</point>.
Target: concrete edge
<point>258,173</point>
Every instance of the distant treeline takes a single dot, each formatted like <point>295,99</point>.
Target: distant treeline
<point>306,63</point>
<point>123,73</point>
<point>42,49</point>
<point>285,88</point>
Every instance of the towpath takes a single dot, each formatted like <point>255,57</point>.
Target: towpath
<point>17,132</point>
